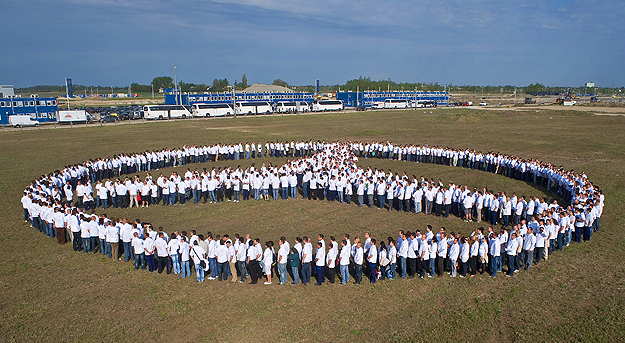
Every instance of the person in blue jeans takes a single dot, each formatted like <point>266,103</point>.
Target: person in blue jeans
<point>185,268</point>
<point>294,262</point>
<point>344,262</point>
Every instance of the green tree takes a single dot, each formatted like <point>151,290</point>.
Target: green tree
<point>244,81</point>
<point>162,82</point>
<point>279,82</point>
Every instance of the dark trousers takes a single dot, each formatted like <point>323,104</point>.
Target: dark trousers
<point>331,274</point>
<point>60,235</point>
<point>77,242</point>
<point>254,270</point>
<point>162,263</point>
<point>372,273</point>
<point>412,266</point>
<point>473,265</point>
<point>439,266</point>
<point>321,276</point>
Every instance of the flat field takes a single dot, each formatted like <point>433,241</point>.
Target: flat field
<point>50,293</point>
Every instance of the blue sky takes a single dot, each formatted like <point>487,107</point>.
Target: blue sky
<point>104,42</point>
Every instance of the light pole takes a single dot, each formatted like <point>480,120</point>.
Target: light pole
<point>175,86</point>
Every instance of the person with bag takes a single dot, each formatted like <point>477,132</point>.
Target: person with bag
<point>384,261</point>
<point>198,254</point>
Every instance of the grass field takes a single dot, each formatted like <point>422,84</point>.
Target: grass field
<point>50,293</point>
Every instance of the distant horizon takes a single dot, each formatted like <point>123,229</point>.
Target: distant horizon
<point>556,42</point>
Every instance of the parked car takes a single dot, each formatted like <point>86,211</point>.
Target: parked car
<point>109,119</point>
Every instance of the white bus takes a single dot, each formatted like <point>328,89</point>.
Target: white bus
<point>212,110</point>
<point>259,107</point>
<point>292,107</point>
<point>395,103</point>
<point>327,105</point>
<point>153,112</point>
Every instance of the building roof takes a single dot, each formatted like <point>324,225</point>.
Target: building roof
<point>261,88</point>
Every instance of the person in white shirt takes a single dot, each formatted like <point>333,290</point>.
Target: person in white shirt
<point>161,251</point>
<point>241,252</point>
<point>198,255</point>
<point>306,260</point>
<point>137,246</point>
<point>358,260</point>
<point>331,263</point>
<point>283,256</point>
<point>221,255</point>
<point>529,243</point>
<point>267,261</point>
<point>372,259</point>
<point>454,252</point>
<point>511,251</point>
<point>172,249</point>
<point>184,250</point>
<point>320,263</point>
<point>344,262</point>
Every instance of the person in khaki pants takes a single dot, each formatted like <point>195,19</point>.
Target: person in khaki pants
<point>232,260</point>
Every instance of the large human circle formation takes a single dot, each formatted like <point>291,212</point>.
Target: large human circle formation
<point>61,204</point>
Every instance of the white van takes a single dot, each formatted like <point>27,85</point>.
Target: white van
<point>22,121</point>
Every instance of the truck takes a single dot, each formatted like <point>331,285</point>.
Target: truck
<point>74,116</point>
<point>22,121</point>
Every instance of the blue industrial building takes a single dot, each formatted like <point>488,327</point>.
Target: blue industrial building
<point>40,109</point>
<point>349,98</point>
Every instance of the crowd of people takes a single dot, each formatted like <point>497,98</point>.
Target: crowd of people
<point>62,204</point>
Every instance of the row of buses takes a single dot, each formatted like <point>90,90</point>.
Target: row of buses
<point>242,108</point>
<point>399,103</point>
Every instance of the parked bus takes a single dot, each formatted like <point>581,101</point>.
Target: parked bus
<point>153,112</point>
<point>395,103</point>
<point>212,110</point>
<point>327,105</point>
<point>292,107</point>
<point>254,107</point>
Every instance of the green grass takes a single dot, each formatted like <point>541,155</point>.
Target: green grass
<point>50,293</point>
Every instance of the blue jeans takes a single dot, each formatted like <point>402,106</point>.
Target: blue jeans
<point>511,259</point>
<point>243,270</point>
<point>222,271</point>
<point>372,273</point>
<point>393,270</point>
<point>321,277</point>
<point>493,265</point>
<point>212,196</point>
<point>529,259</point>
<point>175,260</point>
<point>295,271</point>
<point>186,269</point>
<point>358,272</point>
<point>200,272</point>
<point>402,266</point>
<point>140,261</point>
<point>212,264</point>
<point>284,193</point>
<point>108,249</point>
<point>86,245</point>
<point>432,266</point>
<point>275,193</point>
<point>282,272</point>
<point>127,252</point>
<point>344,269</point>
<point>293,191</point>
<point>305,273</point>
<point>103,246</point>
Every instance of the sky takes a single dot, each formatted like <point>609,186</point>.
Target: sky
<point>476,42</point>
